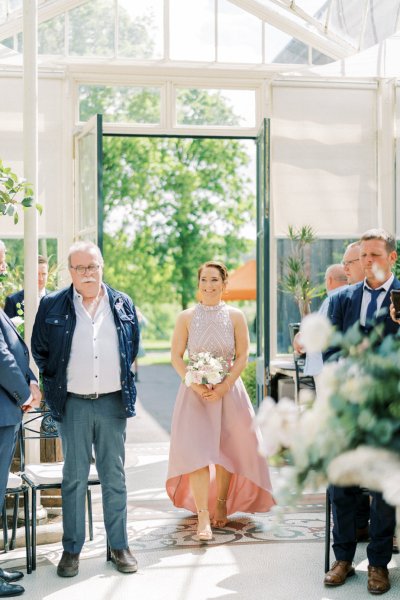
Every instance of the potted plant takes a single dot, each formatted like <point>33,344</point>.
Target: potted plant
<point>297,279</point>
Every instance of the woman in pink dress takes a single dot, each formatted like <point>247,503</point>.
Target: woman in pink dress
<point>214,465</point>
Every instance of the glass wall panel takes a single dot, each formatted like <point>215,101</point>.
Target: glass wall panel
<point>215,107</point>
<point>239,35</point>
<point>192,30</point>
<point>120,104</point>
<point>91,29</point>
<point>140,29</point>
<point>323,252</point>
<point>320,59</point>
<point>9,43</point>
<point>51,36</point>
<point>282,48</point>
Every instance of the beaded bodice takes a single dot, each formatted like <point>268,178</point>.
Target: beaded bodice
<point>211,330</point>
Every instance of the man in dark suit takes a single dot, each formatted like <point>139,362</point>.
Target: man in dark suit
<point>15,302</point>
<point>368,303</point>
<point>19,391</point>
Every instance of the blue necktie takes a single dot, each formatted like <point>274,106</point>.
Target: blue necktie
<point>372,306</point>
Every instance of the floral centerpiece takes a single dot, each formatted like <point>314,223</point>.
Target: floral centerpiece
<point>355,417</point>
<point>204,368</point>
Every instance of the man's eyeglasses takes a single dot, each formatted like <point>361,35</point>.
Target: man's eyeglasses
<point>81,270</point>
<point>347,263</point>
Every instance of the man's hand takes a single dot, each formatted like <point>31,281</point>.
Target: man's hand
<point>297,345</point>
<point>35,399</point>
<point>393,314</point>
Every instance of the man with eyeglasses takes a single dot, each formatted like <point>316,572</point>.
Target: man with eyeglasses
<point>367,303</point>
<point>85,340</point>
<point>352,264</point>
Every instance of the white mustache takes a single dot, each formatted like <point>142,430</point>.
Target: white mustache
<point>89,280</point>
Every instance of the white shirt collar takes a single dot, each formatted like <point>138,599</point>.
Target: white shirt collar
<point>385,286</point>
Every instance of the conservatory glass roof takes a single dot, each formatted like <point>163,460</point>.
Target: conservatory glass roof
<point>253,32</point>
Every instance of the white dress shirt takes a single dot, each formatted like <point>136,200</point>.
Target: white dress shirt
<point>94,363</point>
<point>366,299</point>
<point>314,363</point>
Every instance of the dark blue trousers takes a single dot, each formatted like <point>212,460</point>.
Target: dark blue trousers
<point>382,526</point>
<point>8,439</point>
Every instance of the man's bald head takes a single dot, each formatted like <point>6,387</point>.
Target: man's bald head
<point>335,277</point>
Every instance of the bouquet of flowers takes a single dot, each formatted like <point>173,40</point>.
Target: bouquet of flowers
<point>204,368</point>
<point>358,407</point>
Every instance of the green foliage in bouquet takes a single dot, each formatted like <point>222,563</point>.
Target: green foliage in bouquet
<point>359,404</point>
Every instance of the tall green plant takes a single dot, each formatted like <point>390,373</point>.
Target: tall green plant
<point>297,278</point>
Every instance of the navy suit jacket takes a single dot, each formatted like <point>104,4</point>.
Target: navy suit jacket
<point>15,374</point>
<point>10,306</point>
<point>345,307</point>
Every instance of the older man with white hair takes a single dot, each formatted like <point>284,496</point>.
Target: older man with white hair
<point>85,340</point>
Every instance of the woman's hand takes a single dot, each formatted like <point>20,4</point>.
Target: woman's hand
<point>216,392</point>
<point>200,389</point>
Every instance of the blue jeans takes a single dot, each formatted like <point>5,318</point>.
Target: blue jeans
<point>101,423</point>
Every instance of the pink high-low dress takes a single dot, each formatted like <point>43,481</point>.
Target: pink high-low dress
<point>217,433</point>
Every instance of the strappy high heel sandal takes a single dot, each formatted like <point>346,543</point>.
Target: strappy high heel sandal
<point>204,535</point>
<point>220,522</point>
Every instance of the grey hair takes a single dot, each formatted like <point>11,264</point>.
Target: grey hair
<point>83,246</point>
<point>337,272</point>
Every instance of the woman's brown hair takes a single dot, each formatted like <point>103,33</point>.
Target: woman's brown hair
<point>214,264</point>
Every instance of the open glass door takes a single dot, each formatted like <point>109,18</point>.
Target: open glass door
<point>263,272</point>
<point>88,204</point>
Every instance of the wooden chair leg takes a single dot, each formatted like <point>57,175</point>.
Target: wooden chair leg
<point>327,530</point>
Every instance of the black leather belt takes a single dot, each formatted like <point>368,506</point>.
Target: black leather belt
<point>90,396</point>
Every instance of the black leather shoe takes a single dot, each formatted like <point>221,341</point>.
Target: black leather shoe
<point>8,591</point>
<point>124,561</point>
<point>68,565</point>
<point>11,576</point>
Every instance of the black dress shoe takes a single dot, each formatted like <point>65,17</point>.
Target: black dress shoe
<point>124,561</point>
<point>11,576</point>
<point>68,565</point>
<point>7,590</point>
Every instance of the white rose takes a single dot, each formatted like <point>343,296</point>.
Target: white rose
<point>315,331</point>
<point>188,379</point>
<point>213,378</point>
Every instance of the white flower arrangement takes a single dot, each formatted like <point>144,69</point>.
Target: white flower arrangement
<point>358,406</point>
<point>204,368</point>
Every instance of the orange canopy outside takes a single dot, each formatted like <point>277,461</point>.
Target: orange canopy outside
<point>242,283</point>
